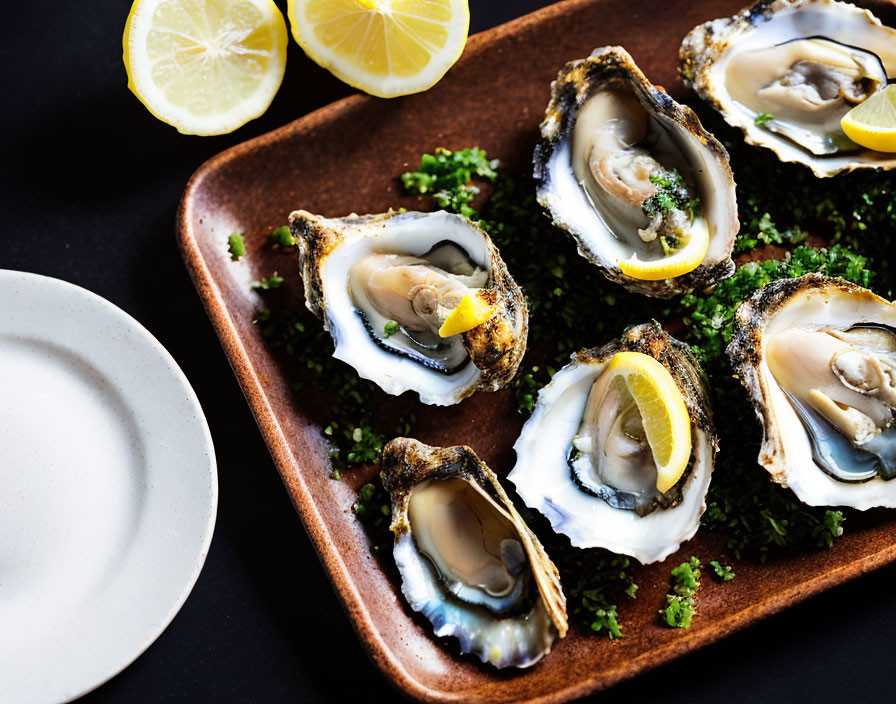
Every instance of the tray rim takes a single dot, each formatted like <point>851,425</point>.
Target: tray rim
<point>339,576</point>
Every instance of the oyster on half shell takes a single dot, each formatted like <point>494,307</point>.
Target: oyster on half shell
<point>785,72</point>
<point>605,492</point>
<point>468,562</point>
<point>384,287</point>
<point>634,178</point>
<point>818,358</point>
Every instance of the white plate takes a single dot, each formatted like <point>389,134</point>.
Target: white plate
<point>108,489</point>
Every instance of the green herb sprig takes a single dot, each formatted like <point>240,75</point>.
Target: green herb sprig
<point>681,599</point>
<point>236,246</point>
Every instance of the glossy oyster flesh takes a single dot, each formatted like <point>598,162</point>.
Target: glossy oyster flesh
<point>628,172</point>
<point>468,562</point>
<point>583,461</point>
<point>384,285</point>
<point>787,71</point>
<point>818,357</point>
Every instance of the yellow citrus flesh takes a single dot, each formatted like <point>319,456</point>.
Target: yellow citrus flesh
<point>470,312</point>
<point>872,123</point>
<point>681,262</point>
<point>383,47</point>
<point>664,414</point>
<point>205,66</point>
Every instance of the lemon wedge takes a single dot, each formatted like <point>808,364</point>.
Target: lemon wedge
<point>383,47</point>
<point>664,415</point>
<point>472,311</point>
<point>205,66</point>
<point>681,262</point>
<point>872,123</point>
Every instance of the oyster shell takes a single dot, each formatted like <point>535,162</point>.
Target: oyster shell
<point>468,562</point>
<point>620,510</point>
<point>818,358</point>
<point>805,63</point>
<point>608,137</point>
<point>384,284</point>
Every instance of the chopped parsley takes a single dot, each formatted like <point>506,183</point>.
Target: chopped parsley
<point>266,284</point>
<point>593,579</point>
<point>723,573</point>
<point>671,195</point>
<point>282,237</point>
<point>681,599</point>
<point>236,246</point>
<point>390,328</point>
<point>448,177</point>
<point>762,118</point>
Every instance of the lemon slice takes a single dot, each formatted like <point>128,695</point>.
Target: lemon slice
<point>205,66</point>
<point>684,260</point>
<point>383,47</point>
<point>472,311</point>
<point>872,123</point>
<point>664,415</point>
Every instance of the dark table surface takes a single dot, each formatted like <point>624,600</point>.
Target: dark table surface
<point>89,186</point>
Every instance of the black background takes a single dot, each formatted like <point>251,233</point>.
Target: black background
<point>89,186</point>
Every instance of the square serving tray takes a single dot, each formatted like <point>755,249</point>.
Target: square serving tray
<point>345,158</point>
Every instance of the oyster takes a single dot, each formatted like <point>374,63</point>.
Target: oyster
<point>818,357</point>
<point>635,179</point>
<point>786,72</point>
<point>468,562</point>
<point>384,287</point>
<point>583,460</point>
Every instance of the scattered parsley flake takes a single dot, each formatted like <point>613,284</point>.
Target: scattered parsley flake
<point>272,281</point>
<point>723,572</point>
<point>236,246</point>
<point>680,601</point>
<point>448,177</point>
<point>762,118</point>
<point>390,328</point>
<point>283,237</point>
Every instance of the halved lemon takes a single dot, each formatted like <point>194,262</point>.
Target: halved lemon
<point>472,311</point>
<point>664,414</point>
<point>681,262</point>
<point>872,123</point>
<point>383,47</point>
<point>205,66</point>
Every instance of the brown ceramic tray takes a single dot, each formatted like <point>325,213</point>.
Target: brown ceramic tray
<point>345,158</point>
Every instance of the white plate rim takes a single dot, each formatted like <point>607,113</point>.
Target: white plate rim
<point>59,692</point>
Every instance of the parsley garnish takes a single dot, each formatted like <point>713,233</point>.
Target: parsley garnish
<point>283,237</point>
<point>723,572</point>
<point>272,281</point>
<point>236,246</point>
<point>680,601</point>
<point>448,176</point>
<point>762,118</point>
<point>672,194</point>
<point>390,328</point>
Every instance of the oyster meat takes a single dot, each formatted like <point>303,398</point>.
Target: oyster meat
<point>583,460</point>
<point>818,357</point>
<point>468,562</point>
<point>634,178</point>
<point>787,71</point>
<point>385,285</point>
